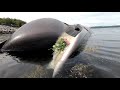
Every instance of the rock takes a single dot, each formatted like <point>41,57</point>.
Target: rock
<point>7,29</point>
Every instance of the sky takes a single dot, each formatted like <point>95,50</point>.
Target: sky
<point>85,18</point>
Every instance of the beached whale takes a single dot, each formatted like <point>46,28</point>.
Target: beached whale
<point>40,35</point>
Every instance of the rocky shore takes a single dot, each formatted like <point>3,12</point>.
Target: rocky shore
<point>7,29</point>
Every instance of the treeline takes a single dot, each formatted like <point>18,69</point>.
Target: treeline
<point>12,22</point>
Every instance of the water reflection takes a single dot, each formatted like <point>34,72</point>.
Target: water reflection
<point>33,56</point>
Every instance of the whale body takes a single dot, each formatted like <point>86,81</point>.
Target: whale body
<point>36,35</point>
<point>40,35</point>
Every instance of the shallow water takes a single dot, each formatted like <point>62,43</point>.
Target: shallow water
<point>102,53</point>
<point>12,66</point>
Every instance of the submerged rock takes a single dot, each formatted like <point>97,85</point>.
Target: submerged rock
<point>81,71</point>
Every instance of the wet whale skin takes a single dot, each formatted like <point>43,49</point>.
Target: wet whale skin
<point>39,34</point>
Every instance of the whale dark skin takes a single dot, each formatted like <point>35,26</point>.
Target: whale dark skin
<point>38,35</point>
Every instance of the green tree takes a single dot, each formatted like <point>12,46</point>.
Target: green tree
<point>12,22</point>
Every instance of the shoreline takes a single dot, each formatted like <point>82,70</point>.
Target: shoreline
<point>7,29</point>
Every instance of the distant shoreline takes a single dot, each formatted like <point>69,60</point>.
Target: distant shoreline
<point>105,26</point>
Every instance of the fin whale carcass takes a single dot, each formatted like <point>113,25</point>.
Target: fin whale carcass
<point>40,35</point>
<point>36,35</point>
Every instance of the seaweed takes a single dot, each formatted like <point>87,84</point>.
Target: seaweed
<point>60,45</point>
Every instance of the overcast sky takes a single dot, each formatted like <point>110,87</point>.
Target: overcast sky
<point>84,18</point>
